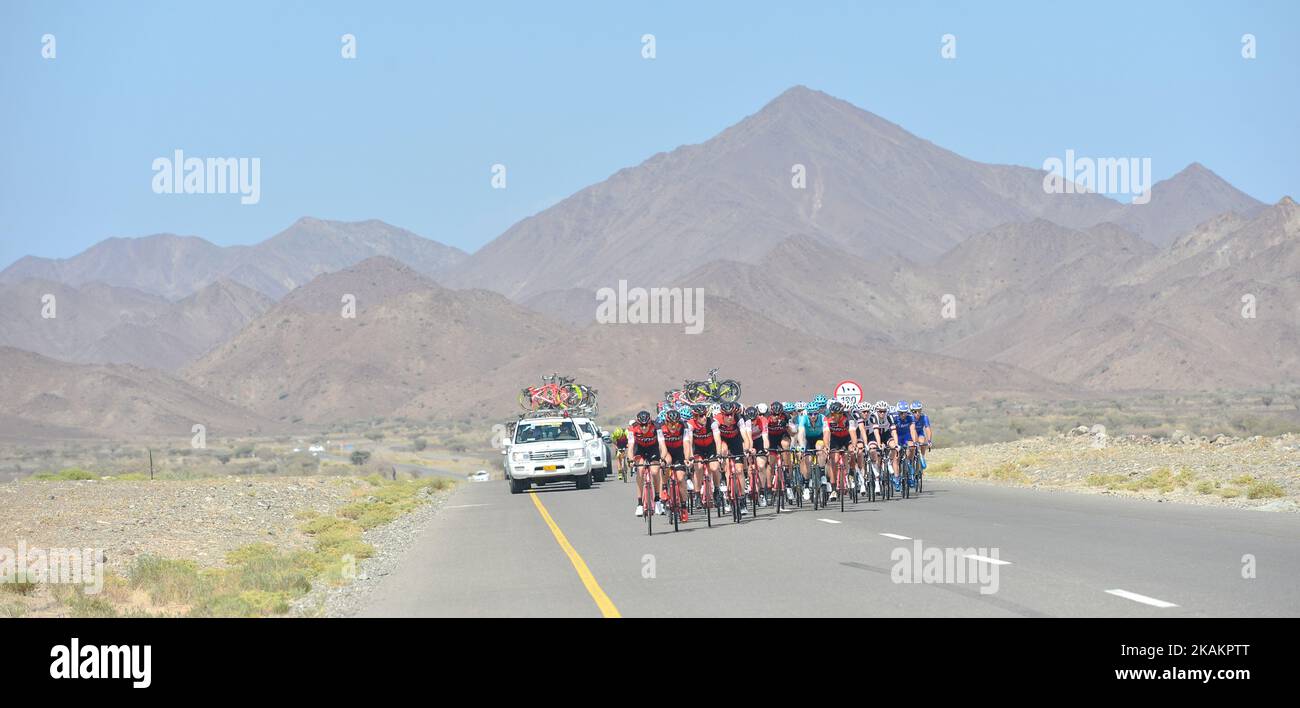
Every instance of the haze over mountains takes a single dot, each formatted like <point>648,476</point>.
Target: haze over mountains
<point>177,266</point>
<point>1055,294</point>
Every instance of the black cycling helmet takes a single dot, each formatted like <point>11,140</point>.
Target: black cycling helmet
<point>673,416</point>
<point>700,409</point>
<point>837,407</point>
<point>643,417</point>
<point>730,407</point>
<point>774,407</point>
<point>751,413</point>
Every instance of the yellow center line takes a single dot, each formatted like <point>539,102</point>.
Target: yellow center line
<point>607,608</point>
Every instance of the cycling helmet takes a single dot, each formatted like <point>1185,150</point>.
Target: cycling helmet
<point>762,409</point>
<point>819,401</point>
<point>916,405</point>
<point>730,408</point>
<point>892,410</point>
<point>643,417</point>
<point>673,415</point>
<point>715,408</point>
<point>788,407</point>
<point>837,407</point>
<point>801,406</point>
<point>882,406</point>
<point>700,409</point>
<point>751,413</point>
<point>902,406</point>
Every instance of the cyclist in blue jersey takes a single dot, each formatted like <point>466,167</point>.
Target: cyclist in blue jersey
<point>810,429</point>
<point>906,430</point>
<point>923,432</point>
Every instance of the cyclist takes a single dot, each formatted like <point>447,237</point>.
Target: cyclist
<point>923,432</point>
<point>839,434</point>
<point>878,433</point>
<point>671,436</point>
<point>702,446</point>
<point>754,431</point>
<point>645,448</point>
<point>777,438</point>
<point>810,429</point>
<point>730,441</point>
<point>906,431</point>
<point>620,447</point>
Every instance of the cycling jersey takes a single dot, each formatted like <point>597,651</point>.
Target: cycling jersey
<point>728,426</point>
<point>756,428</point>
<point>839,425</point>
<point>702,443</point>
<point>777,426</point>
<point>922,422</point>
<point>806,424</point>
<point>881,425</point>
<point>646,437</point>
<point>672,434</point>
<point>904,428</point>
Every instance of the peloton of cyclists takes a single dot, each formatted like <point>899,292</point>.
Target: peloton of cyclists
<point>874,436</point>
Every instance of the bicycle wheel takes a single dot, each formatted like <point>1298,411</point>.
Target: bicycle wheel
<point>526,400</point>
<point>676,501</point>
<point>841,475</point>
<point>648,503</point>
<point>905,477</point>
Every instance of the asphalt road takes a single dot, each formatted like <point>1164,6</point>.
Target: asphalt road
<point>490,553</point>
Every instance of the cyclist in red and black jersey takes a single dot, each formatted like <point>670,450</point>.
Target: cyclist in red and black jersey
<point>779,432</point>
<point>672,435</point>
<point>840,433</point>
<point>646,448</point>
<point>753,428</point>
<point>702,445</point>
<point>730,441</point>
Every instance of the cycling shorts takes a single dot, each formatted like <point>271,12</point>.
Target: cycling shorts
<point>647,454</point>
<point>840,443</point>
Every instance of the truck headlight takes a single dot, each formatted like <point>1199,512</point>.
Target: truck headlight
<point>517,456</point>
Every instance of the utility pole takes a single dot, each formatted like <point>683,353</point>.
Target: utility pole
<point>150,464</point>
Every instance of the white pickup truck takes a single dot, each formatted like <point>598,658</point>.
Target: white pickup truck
<point>548,448</point>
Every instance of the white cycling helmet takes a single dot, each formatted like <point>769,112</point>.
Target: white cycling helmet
<point>762,409</point>
<point>882,406</point>
<point>801,405</point>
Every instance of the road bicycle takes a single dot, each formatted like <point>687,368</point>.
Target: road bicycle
<point>735,484</point>
<point>779,469</point>
<point>648,493</point>
<point>677,504</point>
<point>620,461</point>
<point>712,390</point>
<point>839,475</point>
<point>707,491</point>
<point>557,392</point>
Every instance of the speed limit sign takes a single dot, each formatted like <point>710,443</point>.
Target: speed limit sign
<point>848,392</point>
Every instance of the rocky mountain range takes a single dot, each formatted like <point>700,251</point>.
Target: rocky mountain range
<point>951,279</point>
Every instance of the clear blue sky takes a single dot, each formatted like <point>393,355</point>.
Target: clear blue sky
<point>559,93</point>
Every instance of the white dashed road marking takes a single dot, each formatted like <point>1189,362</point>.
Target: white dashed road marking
<point>830,521</point>
<point>1141,598</point>
<point>896,537</point>
<point>986,559</point>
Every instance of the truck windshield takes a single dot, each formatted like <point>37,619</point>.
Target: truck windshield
<point>545,431</point>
